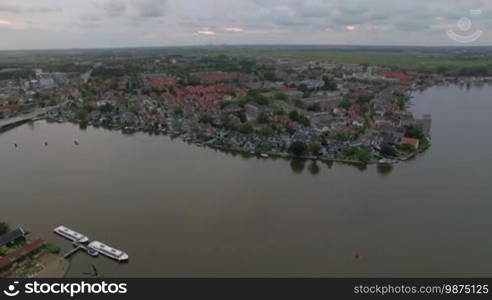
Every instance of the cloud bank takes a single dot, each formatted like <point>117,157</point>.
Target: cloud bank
<point>122,23</point>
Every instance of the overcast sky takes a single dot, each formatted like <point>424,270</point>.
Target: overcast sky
<point>38,24</point>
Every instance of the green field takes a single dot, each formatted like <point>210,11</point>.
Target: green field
<point>406,61</point>
<point>452,61</point>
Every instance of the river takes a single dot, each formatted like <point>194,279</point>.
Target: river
<point>181,210</point>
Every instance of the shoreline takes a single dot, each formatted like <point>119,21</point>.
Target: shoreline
<point>270,155</point>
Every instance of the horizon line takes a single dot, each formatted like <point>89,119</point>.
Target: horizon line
<point>245,45</point>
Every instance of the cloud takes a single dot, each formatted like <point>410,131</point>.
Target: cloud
<point>17,9</point>
<point>206,31</point>
<point>234,29</point>
<point>152,8</point>
<point>180,22</point>
<point>115,8</point>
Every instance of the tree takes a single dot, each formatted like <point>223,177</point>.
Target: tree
<point>365,98</point>
<point>364,156</point>
<point>263,118</point>
<point>4,228</point>
<point>358,153</point>
<point>406,148</point>
<point>290,130</point>
<point>113,84</point>
<point>303,88</point>
<point>345,104</point>
<point>178,111</point>
<point>266,131</point>
<point>279,111</point>
<point>414,132</point>
<point>270,76</point>
<point>82,115</point>
<point>316,107</point>
<point>258,97</point>
<point>315,149</point>
<point>206,118</point>
<point>246,128</point>
<point>298,148</point>
<point>303,120</point>
<point>281,96</point>
<point>294,116</point>
<point>172,91</point>
<point>330,84</point>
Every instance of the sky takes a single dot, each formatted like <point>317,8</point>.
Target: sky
<point>55,24</point>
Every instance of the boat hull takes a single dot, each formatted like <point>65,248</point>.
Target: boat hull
<point>70,234</point>
<point>108,251</point>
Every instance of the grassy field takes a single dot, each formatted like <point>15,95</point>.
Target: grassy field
<point>407,61</point>
<point>470,61</point>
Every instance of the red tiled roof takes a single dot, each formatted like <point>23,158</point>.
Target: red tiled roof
<point>355,110</point>
<point>396,75</point>
<point>217,76</point>
<point>159,82</point>
<point>410,141</point>
<point>286,89</point>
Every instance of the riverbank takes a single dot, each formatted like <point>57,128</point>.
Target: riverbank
<point>41,265</point>
<point>55,266</point>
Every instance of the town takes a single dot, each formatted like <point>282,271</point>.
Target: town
<point>264,106</point>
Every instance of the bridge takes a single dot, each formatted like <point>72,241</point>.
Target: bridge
<point>36,115</point>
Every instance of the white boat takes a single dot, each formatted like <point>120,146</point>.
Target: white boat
<point>108,251</point>
<point>264,155</point>
<point>70,234</point>
<point>386,161</point>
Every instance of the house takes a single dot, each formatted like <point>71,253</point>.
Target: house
<point>233,108</point>
<point>339,111</point>
<point>252,111</point>
<point>12,236</point>
<point>410,141</point>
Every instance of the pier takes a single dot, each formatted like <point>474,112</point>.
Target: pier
<point>80,246</point>
<point>73,251</point>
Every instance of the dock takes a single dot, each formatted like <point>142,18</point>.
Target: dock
<point>73,251</point>
<point>80,246</point>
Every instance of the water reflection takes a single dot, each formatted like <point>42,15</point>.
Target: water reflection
<point>297,165</point>
<point>329,164</point>
<point>314,169</point>
<point>385,169</point>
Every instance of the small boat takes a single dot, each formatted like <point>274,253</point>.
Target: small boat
<point>76,142</point>
<point>15,145</point>
<point>70,234</point>
<point>108,251</point>
<point>264,155</point>
<point>386,161</point>
<point>45,144</point>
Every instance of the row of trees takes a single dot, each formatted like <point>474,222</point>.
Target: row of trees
<point>299,148</point>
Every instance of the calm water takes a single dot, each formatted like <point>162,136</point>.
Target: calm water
<point>181,210</point>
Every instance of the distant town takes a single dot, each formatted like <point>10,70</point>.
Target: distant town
<point>354,113</point>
